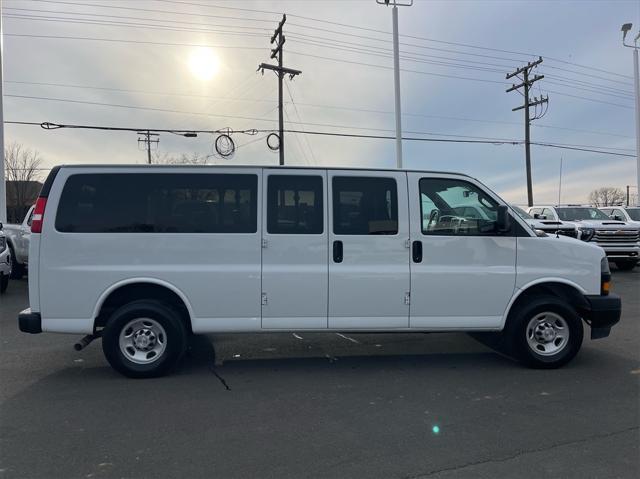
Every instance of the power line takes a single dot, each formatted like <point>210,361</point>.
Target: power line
<point>170,12</point>
<point>370,50</point>
<point>303,104</point>
<point>253,131</point>
<point>140,42</point>
<point>351,26</point>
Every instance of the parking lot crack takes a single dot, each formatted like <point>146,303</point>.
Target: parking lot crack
<point>220,378</point>
<point>520,453</point>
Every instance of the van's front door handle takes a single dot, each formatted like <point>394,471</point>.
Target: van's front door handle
<point>337,252</point>
<point>416,251</point>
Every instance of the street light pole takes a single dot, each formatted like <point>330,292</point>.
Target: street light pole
<point>636,86</point>
<point>396,71</point>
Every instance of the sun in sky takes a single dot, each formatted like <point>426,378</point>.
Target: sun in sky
<point>203,63</point>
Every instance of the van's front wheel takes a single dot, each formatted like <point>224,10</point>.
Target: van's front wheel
<point>545,332</point>
<point>144,339</point>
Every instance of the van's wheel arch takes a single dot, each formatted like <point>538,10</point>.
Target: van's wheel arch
<point>544,332</point>
<point>144,338</point>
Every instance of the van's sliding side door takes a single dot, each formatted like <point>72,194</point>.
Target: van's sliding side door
<point>368,250</point>
<point>294,249</point>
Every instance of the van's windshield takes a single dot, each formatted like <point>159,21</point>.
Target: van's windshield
<point>578,214</point>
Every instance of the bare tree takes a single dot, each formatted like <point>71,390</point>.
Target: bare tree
<point>183,159</point>
<point>607,196</point>
<point>22,167</point>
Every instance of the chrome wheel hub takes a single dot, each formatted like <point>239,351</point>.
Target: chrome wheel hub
<point>547,334</point>
<point>143,340</point>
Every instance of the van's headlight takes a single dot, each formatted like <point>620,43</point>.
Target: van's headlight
<point>3,243</point>
<point>605,276</point>
<point>586,234</point>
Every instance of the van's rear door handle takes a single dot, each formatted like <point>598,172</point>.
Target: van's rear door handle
<point>416,251</point>
<point>337,252</point>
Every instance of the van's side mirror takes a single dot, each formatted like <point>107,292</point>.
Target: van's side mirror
<point>616,217</point>
<point>503,221</point>
<point>536,216</point>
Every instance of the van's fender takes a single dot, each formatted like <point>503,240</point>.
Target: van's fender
<point>105,294</point>
<point>535,282</point>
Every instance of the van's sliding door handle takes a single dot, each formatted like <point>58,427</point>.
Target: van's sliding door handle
<point>416,251</point>
<point>337,252</point>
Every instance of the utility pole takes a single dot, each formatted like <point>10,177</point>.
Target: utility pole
<point>147,140</point>
<point>280,71</point>
<point>396,71</point>
<point>3,185</point>
<point>627,195</point>
<point>560,184</point>
<point>526,83</point>
<point>636,86</point>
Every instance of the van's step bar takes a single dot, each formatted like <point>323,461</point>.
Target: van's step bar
<point>86,341</point>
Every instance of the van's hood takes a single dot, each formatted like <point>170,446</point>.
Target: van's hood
<point>550,224</point>
<point>604,224</point>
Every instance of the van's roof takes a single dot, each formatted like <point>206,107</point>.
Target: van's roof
<point>296,167</point>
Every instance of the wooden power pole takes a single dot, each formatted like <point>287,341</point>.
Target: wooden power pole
<point>281,71</point>
<point>526,83</point>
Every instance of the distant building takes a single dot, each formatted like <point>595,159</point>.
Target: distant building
<point>21,195</point>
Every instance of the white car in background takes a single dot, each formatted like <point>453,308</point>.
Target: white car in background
<point>628,214</point>
<point>18,237</point>
<point>619,240</point>
<point>5,262</point>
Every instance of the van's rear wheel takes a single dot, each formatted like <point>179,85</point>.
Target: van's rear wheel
<point>144,339</point>
<point>545,332</point>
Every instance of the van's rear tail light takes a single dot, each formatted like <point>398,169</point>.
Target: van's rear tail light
<point>605,276</point>
<point>38,215</point>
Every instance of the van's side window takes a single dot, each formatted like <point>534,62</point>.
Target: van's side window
<point>365,206</point>
<point>294,204</point>
<point>456,208</point>
<point>158,203</point>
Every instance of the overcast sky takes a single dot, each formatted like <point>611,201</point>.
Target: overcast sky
<point>455,57</point>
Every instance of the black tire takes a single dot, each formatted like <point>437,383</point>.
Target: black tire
<point>4,283</point>
<point>626,265</point>
<point>548,308</point>
<point>17,270</point>
<point>174,338</point>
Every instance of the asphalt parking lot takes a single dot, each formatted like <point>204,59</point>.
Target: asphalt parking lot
<point>321,405</point>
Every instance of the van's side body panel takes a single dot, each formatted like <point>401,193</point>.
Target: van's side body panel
<point>262,281</point>
<point>219,273</point>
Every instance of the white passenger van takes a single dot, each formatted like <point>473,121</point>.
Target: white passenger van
<point>143,256</point>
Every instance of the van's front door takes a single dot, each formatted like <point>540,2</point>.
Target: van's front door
<point>294,253</point>
<point>463,270</point>
<point>368,250</point>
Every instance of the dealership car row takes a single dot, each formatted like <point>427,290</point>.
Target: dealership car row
<point>616,229</point>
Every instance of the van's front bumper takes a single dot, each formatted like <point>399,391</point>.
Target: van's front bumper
<point>601,313</point>
<point>29,322</point>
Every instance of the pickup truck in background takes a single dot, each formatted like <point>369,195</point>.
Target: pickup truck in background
<point>620,240</point>
<point>5,262</point>
<point>18,237</point>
